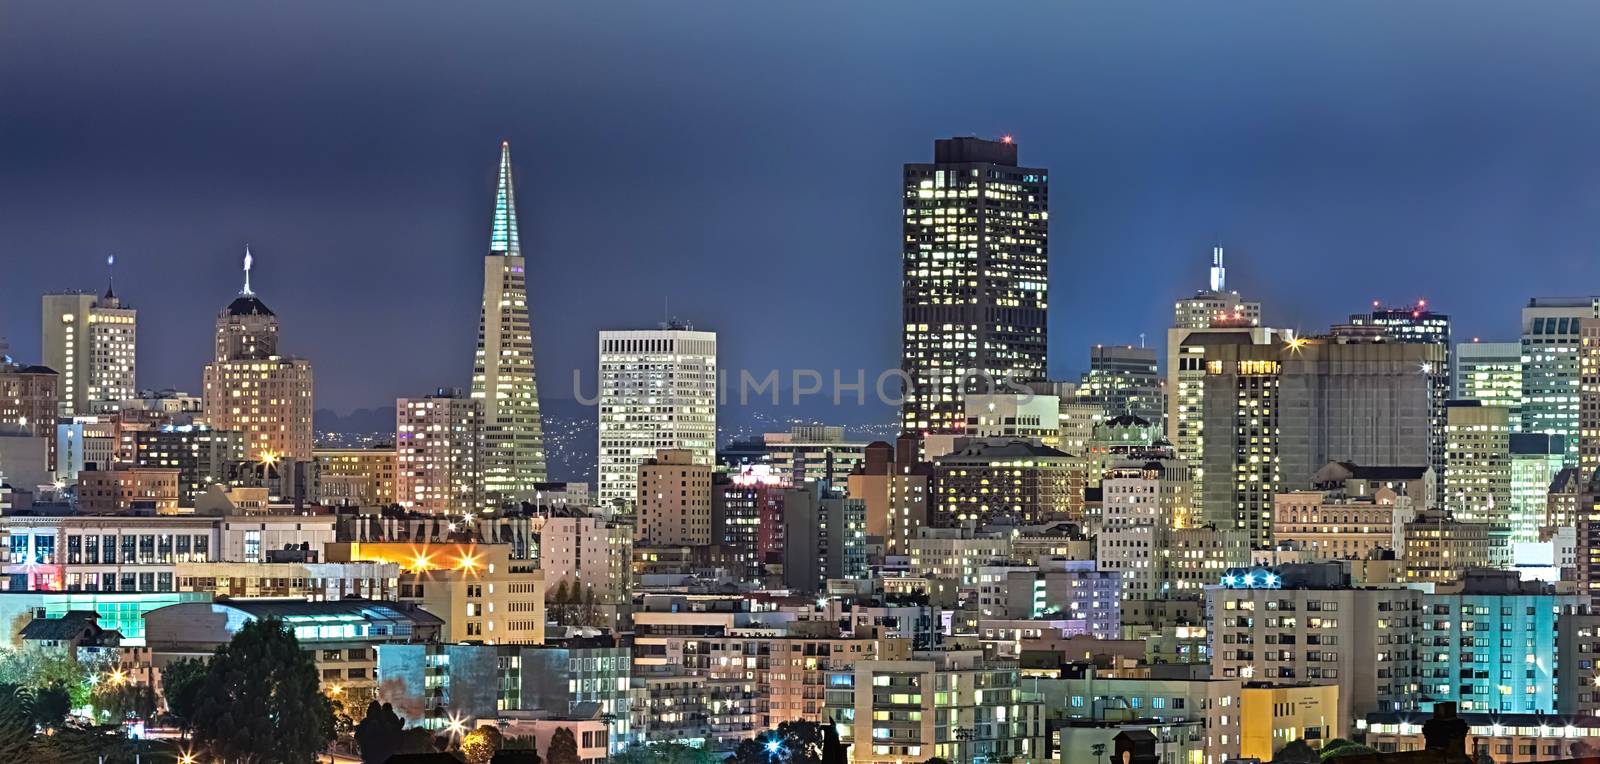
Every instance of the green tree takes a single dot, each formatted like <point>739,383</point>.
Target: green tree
<point>115,703</point>
<point>1296,752</point>
<point>791,742</point>
<point>378,735</point>
<point>664,753</point>
<point>480,745</point>
<point>563,748</point>
<point>50,706</point>
<point>261,701</point>
<point>83,744</point>
<point>1349,749</point>
<point>181,684</point>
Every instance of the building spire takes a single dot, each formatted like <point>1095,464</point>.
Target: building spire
<point>503,236</point>
<point>248,261</point>
<point>111,277</point>
<point>1219,274</point>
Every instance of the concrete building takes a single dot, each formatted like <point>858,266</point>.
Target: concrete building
<point>251,388</point>
<point>1332,525</point>
<point>1008,481</point>
<point>824,537</point>
<point>202,456</point>
<point>586,551</point>
<point>657,391</point>
<point>479,591</point>
<point>818,452</point>
<point>1273,715</point>
<point>1024,416</point>
<point>356,477</point>
<point>1297,623</point>
<point>951,704</point>
<point>747,511</point>
<point>1215,305</point>
<point>146,490</point>
<point>92,343</point>
<point>439,465</point>
<point>1477,473</point>
<point>1186,377</point>
<point>673,500</point>
<point>1296,407</point>
<point>1148,536</point>
<point>1439,548</point>
<point>29,399</point>
<point>976,276</point>
<point>503,373</point>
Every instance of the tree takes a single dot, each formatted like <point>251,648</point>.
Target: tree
<point>116,703</point>
<point>261,701</point>
<point>936,760</point>
<point>480,745</point>
<point>83,744</point>
<point>1296,752</point>
<point>378,735</point>
<point>16,724</point>
<point>50,706</point>
<point>1352,749</point>
<point>563,747</point>
<point>665,753</point>
<point>791,742</point>
<point>181,683</point>
<point>833,749</point>
<point>417,740</point>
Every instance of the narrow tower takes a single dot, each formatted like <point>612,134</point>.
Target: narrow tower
<point>503,372</point>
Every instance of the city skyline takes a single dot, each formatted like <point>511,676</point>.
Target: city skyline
<point>377,212</point>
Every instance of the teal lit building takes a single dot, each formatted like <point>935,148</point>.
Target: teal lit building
<point>122,611</point>
<point>1491,647</point>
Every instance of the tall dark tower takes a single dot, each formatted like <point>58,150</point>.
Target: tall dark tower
<point>976,271</point>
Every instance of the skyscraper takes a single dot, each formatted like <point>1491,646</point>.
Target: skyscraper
<point>252,389</point>
<point>658,390</point>
<point>1490,372</point>
<point>976,266</point>
<point>1281,412</point>
<point>1124,381</point>
<point>1551,329</point>
<point>503,370</point>
<point>92,343</point>
<point>1417,325</point>
<point>1477,475</point>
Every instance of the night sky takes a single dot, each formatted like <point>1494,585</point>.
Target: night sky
<point>742,160</point>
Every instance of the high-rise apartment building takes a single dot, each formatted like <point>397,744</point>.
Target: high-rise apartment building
<point>673,506</point>
<point>1490,372</point>
<point>658,390</point>
<point>437,453</point>
<point>250,388</point>
<point>1551,329</point>
<point>1295,407</point>
<point>92,342</point>
<point>1124,381</point>
<point>503,376</point>
<point>976,271</point>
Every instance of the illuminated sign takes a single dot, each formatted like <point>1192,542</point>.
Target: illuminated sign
<point>1253,578</point>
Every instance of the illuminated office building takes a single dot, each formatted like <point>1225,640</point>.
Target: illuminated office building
<point>1491,373</point>
<point>503,377</point>
<point>1477,473</point>
<point>92,343</point>
<point>251,388</point>
<point>658,390</point>
<point>976,272</point>
<point>1186,376</point>
<point>1551,329</point>
<point>1123,380</point>
<point>1536,461</point>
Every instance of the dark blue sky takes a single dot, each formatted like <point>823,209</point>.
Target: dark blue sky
<point>743,160</point>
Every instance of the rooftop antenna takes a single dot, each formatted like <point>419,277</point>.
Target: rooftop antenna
<point>248,261</point>
<point>111,275</point>
<point>1219,274</point>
